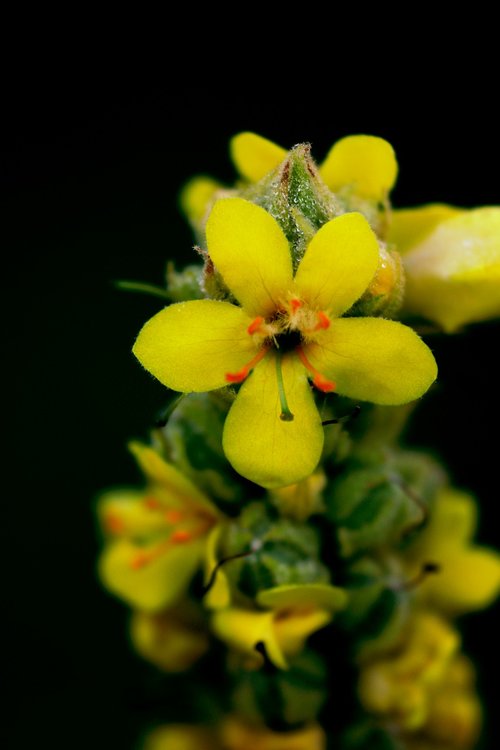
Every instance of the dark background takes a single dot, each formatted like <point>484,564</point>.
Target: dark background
<point>90,177</point>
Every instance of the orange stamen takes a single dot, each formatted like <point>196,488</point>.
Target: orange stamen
<point>319,380</point>
<point>323,321</point>
<point>255,325</point>
<point>152,503</point>
<point>181,536</point>
<point>239,377</point>
<point>295,304</point>
<point>174,516</point>
<point>114,524</point>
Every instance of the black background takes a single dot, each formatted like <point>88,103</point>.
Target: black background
<point>90,177</point>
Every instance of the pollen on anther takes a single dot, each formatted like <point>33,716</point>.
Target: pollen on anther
<point>295,304</point>
<point>323,321</point>
<point>151,503</point>
<point>174,516</point>
<point>180,536</point>
<point>255,325</point>
<point>237,377</point>
<point>323,384</point>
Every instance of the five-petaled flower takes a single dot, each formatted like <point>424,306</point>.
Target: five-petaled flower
<point>157,537</point>
<point>288,329</point>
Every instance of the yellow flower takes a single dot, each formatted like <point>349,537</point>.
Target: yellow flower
<point>452,263</point>
<point>469,576</point>
<point>236,735</point>
<point>400,686</point>
<point>286,330</point>
<point>156,538</point>
<point>181,737</point>
<point>292,613</point>
<point>172,640</point>
<point>361,163</point>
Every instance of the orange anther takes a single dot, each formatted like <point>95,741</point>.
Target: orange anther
<point>323,321</point>
<point>139,560</point>
<point>323,384</point>
<point>237,377</point>
<point>174,516</point>
<point>319,380</point>
<point>180,536</point>
<point>255,324</point>
<point>295,304</point>
<point>114,523</point>
<point>152,503</point>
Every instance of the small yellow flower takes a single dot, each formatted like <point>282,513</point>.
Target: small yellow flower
<point>292,613</point>
<point>172,640</point>
<point>181,737</point>
<point>452,263</point>
<point>288,329</point>
<point>469,576</point>
<point>236,735</point>
<point>364,164</point>
<point>400,686</point>
<point>157,537</point>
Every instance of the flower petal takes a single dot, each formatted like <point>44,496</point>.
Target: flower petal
<point>158,584</point>
<point>177,486</point>
<point>197,195</point>
<point>319,595</point>
<point>255,156</point>
<point>242,629</point>
<point>180,737</point>
<point>453,276</point>
<point>190,346</point>
<point>167,640</point>
<point>467,580</point>
<point>365,162</point>
<point>374,360</point>
<point>219,595</point>
<point>410,226</point>
<point>261,446</point>
<point>339,263</point>
<point>251,252</point>
<point>293,629</point>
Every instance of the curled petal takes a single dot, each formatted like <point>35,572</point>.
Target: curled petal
<point>453,276</point>
<point>375,360</point>
<point>410,226</point>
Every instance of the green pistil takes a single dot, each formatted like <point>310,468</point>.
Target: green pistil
<point>286,415</point>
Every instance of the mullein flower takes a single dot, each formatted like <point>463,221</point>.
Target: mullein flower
<point>234,734</point>
<point>289,615</point>
<point>288,329</point>
<point>452,263</point>
<point>468,576</point>
<point>172,640</point>
<point>363,164</point>
<point>400,686</point>
<point>155,538</point>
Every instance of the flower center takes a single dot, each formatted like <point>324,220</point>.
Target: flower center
<point>182,526</point>
<point>289,329</point>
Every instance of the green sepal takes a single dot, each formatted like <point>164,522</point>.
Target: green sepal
<point>193,435</point>
<point>282,551</point>
<point>379,606</point>
<point>186,284</point>
<point>283,699</point>
<point>366,735</point>
<point>296,196</point>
